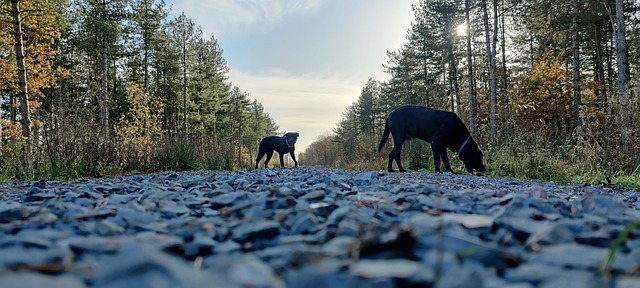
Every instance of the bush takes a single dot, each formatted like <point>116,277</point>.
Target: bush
<point>219,162</point>
<point>178,158</point>
<point>525,159</point>
<point>12,166</point>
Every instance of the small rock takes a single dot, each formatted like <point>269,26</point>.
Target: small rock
<point>252,231</point>
<point>145,266</point>
<point>37,280</point>
<point>13,211</point>
<point>536,191</point>
<point>396,268</point>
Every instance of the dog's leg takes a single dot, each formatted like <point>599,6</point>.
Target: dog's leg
<point>281,159</point>
<point>269,154</point>
<point>399,162</point>
<point>436,155</point>
<point>293,156</point>
<point>469,168</point>
<point>445,159</point>
<point>391,156</point>
<point>260,154</point>
<point>397,151</point>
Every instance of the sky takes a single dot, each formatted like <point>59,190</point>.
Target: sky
<point>306,61</point>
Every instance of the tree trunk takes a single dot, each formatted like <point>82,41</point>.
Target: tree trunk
<point>146,68</point>
<point>12,101</point>
<point>114,83</point>
<point>103,96</point>
<point>504,91</point>
<point>145,40</point>
<point>473,106</point>
<point>372,133</point>
<point>425,81</point>
<point>623,68</point>
<point>609,58</point>
<point>453,69</point>
<point>22,72</point>
<point>577,95</point>
<point>1,93</point>
<point>492,68</point>
<point>60,119</point>
<point>492,76</point>
<point>239,145</point>
<point>215,135</point>
<point>184,87</point>
<point>599,59</point>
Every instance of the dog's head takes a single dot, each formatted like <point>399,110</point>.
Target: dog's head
<point>291,138</point>
<point>471,156</point>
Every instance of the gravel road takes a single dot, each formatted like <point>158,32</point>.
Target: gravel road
<point>317,227</point>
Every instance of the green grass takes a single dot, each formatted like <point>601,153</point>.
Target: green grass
<point>632,180</point>
<point>620,240</point>
<point>178,158</point>
<point>219,162</point>
<point>518,159</point>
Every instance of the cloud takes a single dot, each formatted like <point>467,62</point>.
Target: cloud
<point>220,15</point>
<point>324,51</point>
<point>310,104</point>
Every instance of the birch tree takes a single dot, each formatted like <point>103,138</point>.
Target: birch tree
<point>473,105</point>
<point>491,59</point>
<point>623,67</point>
<point>22,73</point>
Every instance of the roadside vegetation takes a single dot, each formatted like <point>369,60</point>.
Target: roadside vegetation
<point>547,90</point>
<point>93,88</point>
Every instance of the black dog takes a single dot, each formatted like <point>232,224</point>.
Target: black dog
<point>442,129</point>
<point>283,145</point>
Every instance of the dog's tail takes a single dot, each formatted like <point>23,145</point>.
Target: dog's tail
<point>385,136</point>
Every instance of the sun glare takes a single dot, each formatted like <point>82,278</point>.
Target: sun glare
<point>461,30</point>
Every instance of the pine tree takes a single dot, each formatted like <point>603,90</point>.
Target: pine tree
<point>97,28</point>
<point>147,19</point>
<point>365,109</point>
<point>184,33</point>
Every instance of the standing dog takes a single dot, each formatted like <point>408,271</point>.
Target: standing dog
<point>283,145</point>
<point>442,129</point>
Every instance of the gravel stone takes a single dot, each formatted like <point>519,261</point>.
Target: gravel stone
<point>315,227</point>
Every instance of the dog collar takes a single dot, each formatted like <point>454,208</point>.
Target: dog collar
<point>463,144</point>
<point>285,141</point>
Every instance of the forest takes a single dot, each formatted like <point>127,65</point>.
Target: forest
<point>548,88</point>
<point>95,87</point>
